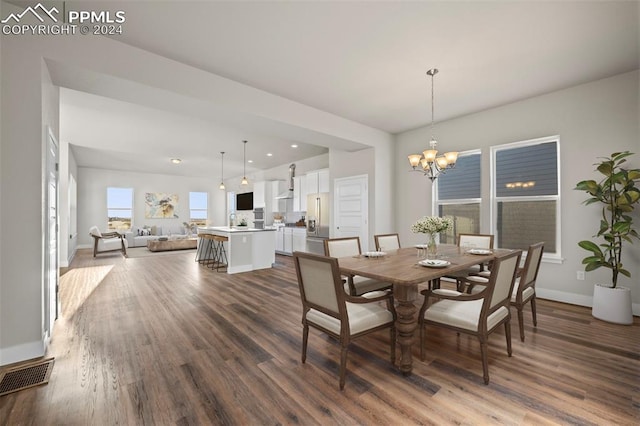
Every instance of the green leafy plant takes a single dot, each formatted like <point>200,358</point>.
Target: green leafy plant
<point>618,193</point>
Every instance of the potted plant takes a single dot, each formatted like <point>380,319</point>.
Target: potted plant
<point>617,194</point>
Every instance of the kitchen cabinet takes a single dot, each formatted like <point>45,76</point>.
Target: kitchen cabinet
<point>259,194</point>
<point>317,181</point>
<point>288,241</point>
<point>299,239</point>
<point>280,240</point>
<point>300,194</point>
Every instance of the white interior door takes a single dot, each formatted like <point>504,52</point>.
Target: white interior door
<point>351,208</point>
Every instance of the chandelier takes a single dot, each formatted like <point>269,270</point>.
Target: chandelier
<point>428,162</point>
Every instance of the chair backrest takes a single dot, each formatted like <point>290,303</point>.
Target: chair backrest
<point>95,231</point>
<point>531,266</point>
<point>342,247</point>
<point>387,241</point>
<point>503,276</point>
<point>481,241</point>
<point>320,283</point>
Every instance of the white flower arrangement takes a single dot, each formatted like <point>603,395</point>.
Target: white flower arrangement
<point>432,225</point>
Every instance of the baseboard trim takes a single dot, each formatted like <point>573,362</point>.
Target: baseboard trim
<point>22,352</point>
<point>575,299</point>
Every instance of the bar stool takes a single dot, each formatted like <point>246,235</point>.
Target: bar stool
<point>219,253</point>
<point>200,252</point>
<point>208,250</point>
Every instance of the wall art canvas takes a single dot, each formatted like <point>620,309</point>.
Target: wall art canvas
<point>159,205</point>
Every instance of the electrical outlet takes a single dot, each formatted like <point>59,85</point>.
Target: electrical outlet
<point>580,275</point>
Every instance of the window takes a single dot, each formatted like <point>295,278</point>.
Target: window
<point>458,196</point>
<point>526,194</point>
<point>198,208</point>
<point>119,208</point>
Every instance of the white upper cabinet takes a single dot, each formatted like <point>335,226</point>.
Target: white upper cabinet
<point>300,194</point>
<point>318,181</point>
<point>259,194</point>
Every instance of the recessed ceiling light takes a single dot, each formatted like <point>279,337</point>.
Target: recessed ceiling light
<point>176,160</point>
<point>294,146</point>
<point>269,154</point>
<point>249,161</point>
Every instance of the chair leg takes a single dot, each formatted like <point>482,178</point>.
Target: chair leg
<point>343,363</point>
<point>521,322</point>
<point>421,326</point>
<point>485,361</point>
<point>305,339</point>
<point>533,311</point>
<point>393,345</point>
<point>507,333</point>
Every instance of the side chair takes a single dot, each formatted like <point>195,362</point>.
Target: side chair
<point>326,307</point>
<point>346,247</point>
<point>387,241</point>
<point>478,314</point>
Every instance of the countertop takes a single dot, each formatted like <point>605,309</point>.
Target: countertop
<point>234,229</point>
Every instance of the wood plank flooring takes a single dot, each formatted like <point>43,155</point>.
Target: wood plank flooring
<point>162,340</point>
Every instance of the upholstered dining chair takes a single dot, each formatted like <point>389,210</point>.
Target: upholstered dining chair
<point>524,290</point>
<point>350,246</point>
<point>478,274</point>
<point>326,307</point>
<point>476,314</point>
<point>387,241</point>
<point>104,242</point>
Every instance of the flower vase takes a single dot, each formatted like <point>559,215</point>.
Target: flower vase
<point>432,247</point>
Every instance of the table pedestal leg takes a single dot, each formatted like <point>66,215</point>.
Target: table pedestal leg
<point>406,323</point>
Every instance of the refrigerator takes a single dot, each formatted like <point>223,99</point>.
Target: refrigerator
<point>318,215</point>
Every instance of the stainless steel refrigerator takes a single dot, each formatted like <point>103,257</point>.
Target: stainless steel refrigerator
<point>318,215</point>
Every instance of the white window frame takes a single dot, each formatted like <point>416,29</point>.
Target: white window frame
<point>435,210</point>
<point>206,210</point>
<point>547,257</point>
<point>119,208</point>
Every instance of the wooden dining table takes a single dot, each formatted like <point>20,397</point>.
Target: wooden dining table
<point>401,268</point>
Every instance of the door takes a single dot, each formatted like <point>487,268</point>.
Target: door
<point>351,211</point>
<point>51,237</point>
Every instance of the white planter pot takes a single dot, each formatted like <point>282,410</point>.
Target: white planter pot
<point>612,304</point>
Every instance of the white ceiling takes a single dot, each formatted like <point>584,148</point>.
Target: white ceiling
<point>364,61</point>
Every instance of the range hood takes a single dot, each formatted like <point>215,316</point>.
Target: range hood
<point>288,194</point>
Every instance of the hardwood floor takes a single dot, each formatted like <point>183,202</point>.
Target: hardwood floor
<point>162,340</point>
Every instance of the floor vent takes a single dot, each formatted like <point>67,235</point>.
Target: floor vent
<point>25,376</point>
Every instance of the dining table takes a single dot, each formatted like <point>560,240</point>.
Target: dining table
<point>405,271</point>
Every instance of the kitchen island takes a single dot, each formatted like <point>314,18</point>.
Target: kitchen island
<point>247,248</point>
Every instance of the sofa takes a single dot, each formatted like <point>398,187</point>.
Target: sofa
<point>139,237</point>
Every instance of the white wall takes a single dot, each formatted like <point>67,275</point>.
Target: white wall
<point>29,106</point>
<point>593,120</point>
<point>92,198</point>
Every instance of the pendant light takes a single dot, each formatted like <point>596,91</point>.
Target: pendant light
<point>244,165</point>
<point>428,162</point>
<point>221,170</point>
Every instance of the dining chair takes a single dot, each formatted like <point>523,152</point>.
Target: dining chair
<point>524,290</point>
<point>346,247</point>
<point>326,307</point>
<point>387,241</point>
<point>479,273</point>
<point>478,314</point>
